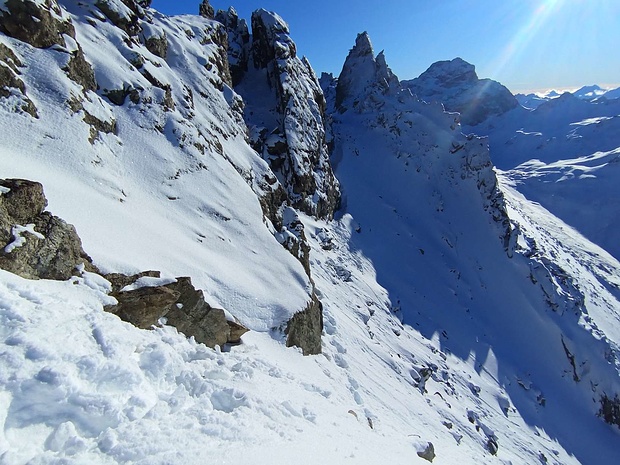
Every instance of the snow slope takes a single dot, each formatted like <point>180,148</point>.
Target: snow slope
<point>455,314</point>
<point>173,189</point>
<point>564,156</point>
<point>439,254</point>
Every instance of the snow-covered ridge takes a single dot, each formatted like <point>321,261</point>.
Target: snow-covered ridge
<point>592,93</point>
<point>159,151</point>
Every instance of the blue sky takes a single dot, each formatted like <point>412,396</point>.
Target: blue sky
<point>524,44</point>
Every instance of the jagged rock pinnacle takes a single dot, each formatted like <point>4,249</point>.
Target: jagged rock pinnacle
<point>362,73</point>
<point>363,45</point>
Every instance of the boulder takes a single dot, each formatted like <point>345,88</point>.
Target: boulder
<point>35,243</point>
<point>428,452</point>
<point>304,329</point>
<point>192,316</point>
<point>180,303</point>
<point>24,199</point>
<point>145,306</point>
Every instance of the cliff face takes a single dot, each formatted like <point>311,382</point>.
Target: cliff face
<point>420,134</point>
<point>285,111</point>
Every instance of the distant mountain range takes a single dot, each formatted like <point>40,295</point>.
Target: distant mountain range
<point>592,93</point>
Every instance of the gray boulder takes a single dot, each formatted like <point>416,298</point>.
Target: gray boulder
<point>36,244</point>
<point>127,19</point>
<point>304,328</point>
<point>428,453</point>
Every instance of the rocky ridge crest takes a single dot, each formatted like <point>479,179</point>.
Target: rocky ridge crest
<point>288,130</point>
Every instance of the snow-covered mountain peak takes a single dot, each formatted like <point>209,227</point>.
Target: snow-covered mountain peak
<point>456,85</point>
<point>363,46</point>
<point>362,75</point>
<point>450,73</point>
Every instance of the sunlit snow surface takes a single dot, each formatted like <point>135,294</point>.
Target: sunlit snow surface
<point>148,198</point>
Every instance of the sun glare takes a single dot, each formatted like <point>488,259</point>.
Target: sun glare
<point>527,34</point>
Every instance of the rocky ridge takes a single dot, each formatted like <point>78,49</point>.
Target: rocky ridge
<point>368,87</point>
<point>286,126</point>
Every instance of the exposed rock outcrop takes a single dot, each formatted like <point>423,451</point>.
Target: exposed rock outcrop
<point>610,410</point>
<point>428,453</point>
<point>456,84</point>
<point>238,43</point>
<point>304,328</point>
<point>362,74</point>
<point>11,85</point>
<point>206,10</point>
<point>39,23</point>
<point>179,302</point>
<point>145,306</point>
<point>293,238</point>
<point>292,138</point>
<point>192,316</point>
<point>155,40</point>
<point>79,70</point>
<point>35,243</point>
<point>124,14</point>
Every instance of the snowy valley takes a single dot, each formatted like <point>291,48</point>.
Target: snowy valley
<point>404,300</point>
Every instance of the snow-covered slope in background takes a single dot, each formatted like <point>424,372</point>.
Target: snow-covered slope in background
<point>454,314</point>
<point>593,93</point>
<point>420,192</point>
<point>564,155</point>
<point>560,149</point>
